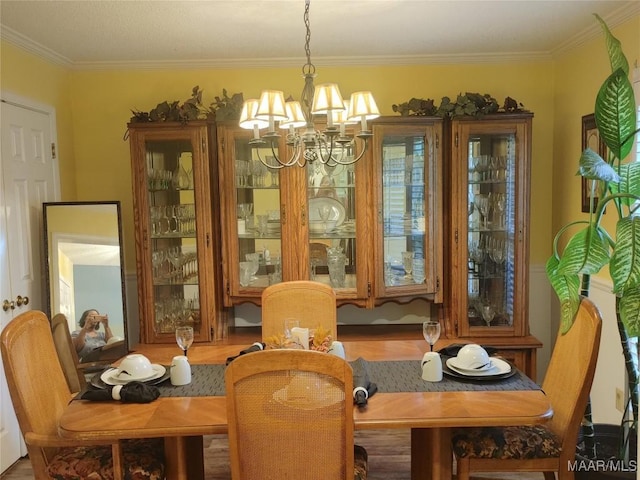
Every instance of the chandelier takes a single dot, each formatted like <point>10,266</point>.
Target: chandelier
<point>305,142</point>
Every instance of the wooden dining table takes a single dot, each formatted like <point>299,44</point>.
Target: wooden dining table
<point>182,421</point>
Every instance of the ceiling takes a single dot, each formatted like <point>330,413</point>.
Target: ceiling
<point>234,33</point>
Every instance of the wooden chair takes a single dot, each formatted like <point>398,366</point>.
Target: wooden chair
<point>290,413</point>
<point>40,393</point>
<point>67,353</point>
<point>550,447</point>
<point>312,303</point>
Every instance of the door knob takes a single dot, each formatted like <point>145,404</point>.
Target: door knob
<point>7,305</point>
<point>20,300</point>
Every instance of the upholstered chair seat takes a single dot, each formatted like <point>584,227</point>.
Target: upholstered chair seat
<point>142,459</point>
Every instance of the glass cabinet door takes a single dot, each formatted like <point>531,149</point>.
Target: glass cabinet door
<point>409,209</point>
<point>332,212</point>
<point>171,214</point>
<point>174,236</point>
<point>250,204</point>
<point>493,251</point>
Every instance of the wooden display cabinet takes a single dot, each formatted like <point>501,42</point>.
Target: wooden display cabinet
<point>489,233</point>
<point>273,218</point>
<point>407,208</point>
<point>176,230</point>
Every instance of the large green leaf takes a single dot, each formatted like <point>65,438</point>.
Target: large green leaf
<point>567,288</point>
<point>614,48</point>
<point>629,182</point>
<point>615,114</point>
<point>625,261</point>
<point>630,311</point>
<point>586,253</point>
<point>593,167</point>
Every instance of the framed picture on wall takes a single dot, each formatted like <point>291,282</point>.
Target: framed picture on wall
<point>591,139</point>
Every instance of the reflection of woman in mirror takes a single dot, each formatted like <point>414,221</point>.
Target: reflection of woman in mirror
<point>322,180</point>
<point>90,337</point>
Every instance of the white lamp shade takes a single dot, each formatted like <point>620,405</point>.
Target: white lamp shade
<point>340,116</point>
<point>362,106</point>
<point>248,118</point>
<point>295,117</point>
<point>271,106</point>
<point>327,98</point>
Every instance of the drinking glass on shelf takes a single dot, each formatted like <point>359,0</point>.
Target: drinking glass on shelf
<point>431,332</point>
<point>418,270</point>
<point>488,312</point>
<point>245,273</point>
<point>184,338</point>
<point>407,264</point>
<point>324,212</point>
<point>263,224</point>
<point>254,259</point>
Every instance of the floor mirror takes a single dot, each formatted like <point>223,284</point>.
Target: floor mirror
<point>85,270</point>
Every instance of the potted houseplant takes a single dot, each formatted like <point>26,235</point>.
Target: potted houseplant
<point>615,186</point>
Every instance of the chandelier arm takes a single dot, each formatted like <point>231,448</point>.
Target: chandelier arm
<point>363,150</point>
<point>277,166</point>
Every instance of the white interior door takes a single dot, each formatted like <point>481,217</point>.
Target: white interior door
<point>28,177</point>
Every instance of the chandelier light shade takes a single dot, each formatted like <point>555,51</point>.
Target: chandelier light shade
<point>306,142</point>
<point>248,118</point>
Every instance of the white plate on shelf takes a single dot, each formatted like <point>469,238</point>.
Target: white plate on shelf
<point>499,367</point>
<point>111,376</point>
<point>338,212</point>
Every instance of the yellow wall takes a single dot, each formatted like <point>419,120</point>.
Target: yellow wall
<point>93,108</point>
<point>102,104</point>
<point>578,77</point>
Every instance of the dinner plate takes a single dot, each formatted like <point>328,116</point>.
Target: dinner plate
<point>500,367</point>
<point>455,364</point>
<point>338,212</point>
<point>97,381</point>
<point>110,377</point>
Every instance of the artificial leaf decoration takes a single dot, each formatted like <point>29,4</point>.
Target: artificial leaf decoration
<point>586,253</point>
<point>629,183</point>
<point>615,114</point>
<point>625,261</point>
<point>567,289</point>
<point>173,112</point>
<point>629,308</point>
<point>469,104</point>
<point>614,48</point>
<point>227,108</point>
<point>593,167</point>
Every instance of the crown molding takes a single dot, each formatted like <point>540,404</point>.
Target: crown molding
<point>614,19</point>
<point>33,47</point>
<point>619,16</point>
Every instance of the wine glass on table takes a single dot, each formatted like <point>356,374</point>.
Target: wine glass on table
<point>184,338</point>
<point>431,332</point>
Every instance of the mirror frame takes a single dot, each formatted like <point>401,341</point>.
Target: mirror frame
<point>49,256</point>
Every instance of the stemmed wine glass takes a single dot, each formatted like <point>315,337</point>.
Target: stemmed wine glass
<point>431,332</point>
<point>184,338</point>
<point>324,212</point>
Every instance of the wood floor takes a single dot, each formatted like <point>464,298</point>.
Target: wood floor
<point>388,459</point>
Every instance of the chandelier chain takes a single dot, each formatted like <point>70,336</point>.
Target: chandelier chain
<point>308,68</point>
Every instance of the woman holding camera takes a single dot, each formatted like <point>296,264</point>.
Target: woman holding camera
<point>89,337</point>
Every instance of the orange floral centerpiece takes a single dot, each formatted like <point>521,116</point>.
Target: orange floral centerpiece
<point>320,339</point>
